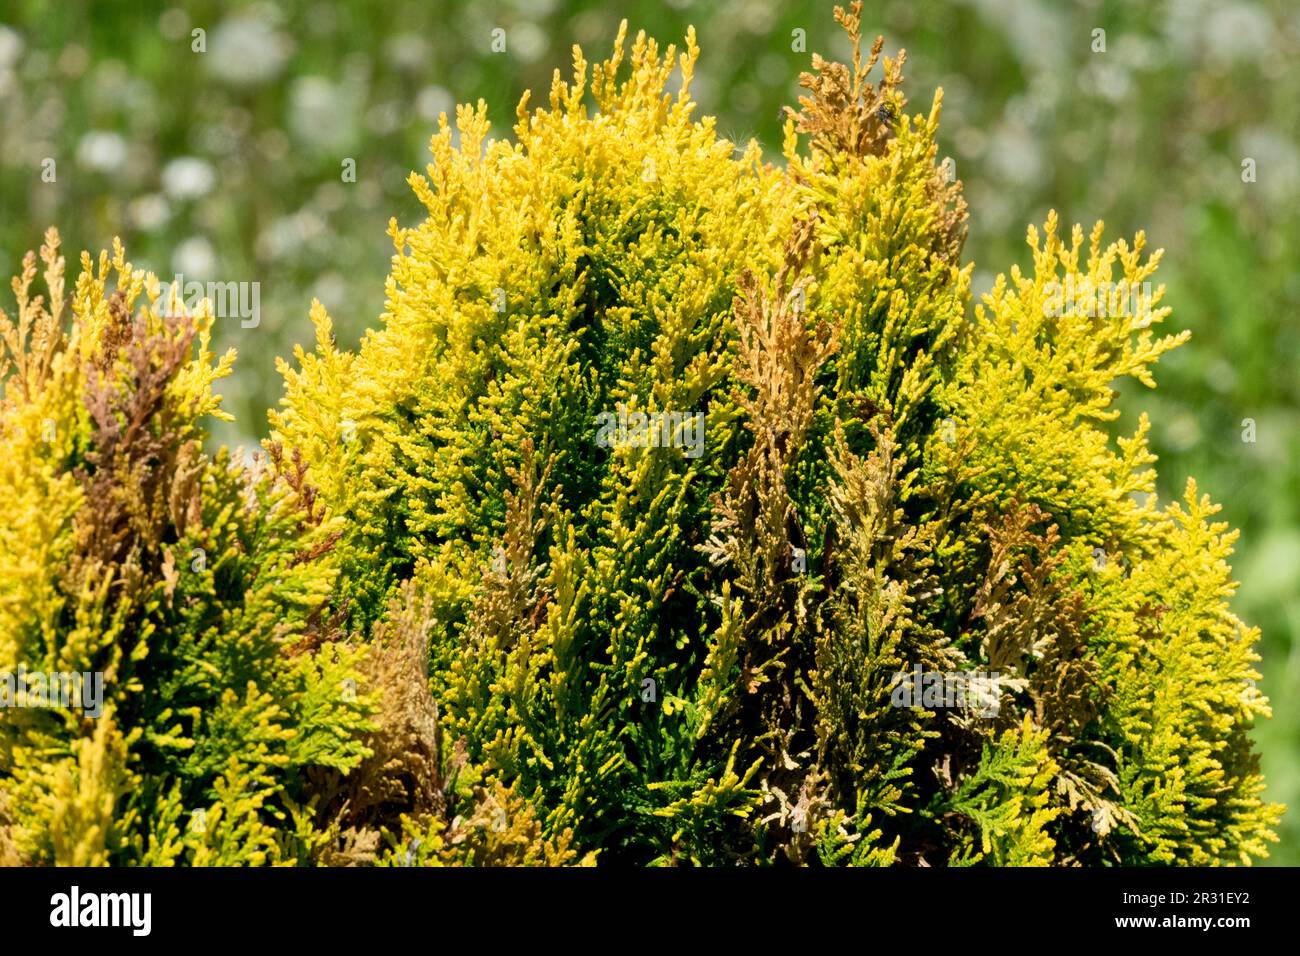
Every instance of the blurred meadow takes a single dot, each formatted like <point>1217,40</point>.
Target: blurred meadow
<point>225,165</point>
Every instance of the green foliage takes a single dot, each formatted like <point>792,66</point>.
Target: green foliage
<point>572,645</point>
<point>193,586</point>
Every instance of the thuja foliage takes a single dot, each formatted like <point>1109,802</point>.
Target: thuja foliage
<point>193,585</point>
<point>446,616</point>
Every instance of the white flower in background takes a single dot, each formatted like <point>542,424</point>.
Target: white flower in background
<point>330,197</point>
<point>149,212</point>
<point>195,259</point>
<point>1014,154</point>
<point>11,45</point>
<point>10,48</point>
<point>384,118</point>
<point>188,178</point>
<point>1277,161</point>
<point>408,51</point>
<point>1035,31</point>
<point>102,151</point>
<point>1107,77</point>
<point>246,50</point>
<point>535,9</point>
<point>1222,376</point>
<point>1182,431</point>
<point>290,234</point>
<point>527,41</point>
<point>1138,52</point>
<point>312,101</point>
<point>322,114</point>
<point>331,289</point>
<point>433,101</point>
<point>1236,32</point>
<point>174,24</point>
<point>755,16</point>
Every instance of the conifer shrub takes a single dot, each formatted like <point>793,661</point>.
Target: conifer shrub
<point>195,587</point>
<point>636,532</point>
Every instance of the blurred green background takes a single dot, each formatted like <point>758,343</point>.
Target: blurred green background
<point>226,165</point>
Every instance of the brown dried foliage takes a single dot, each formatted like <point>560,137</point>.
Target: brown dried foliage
<point>845,114</point>
<point>143,470</point>
<point>1033,626</point>
<point>31,343</point>
<point>508,605</point>
<point>779,356</point>
<point>401,775</point>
